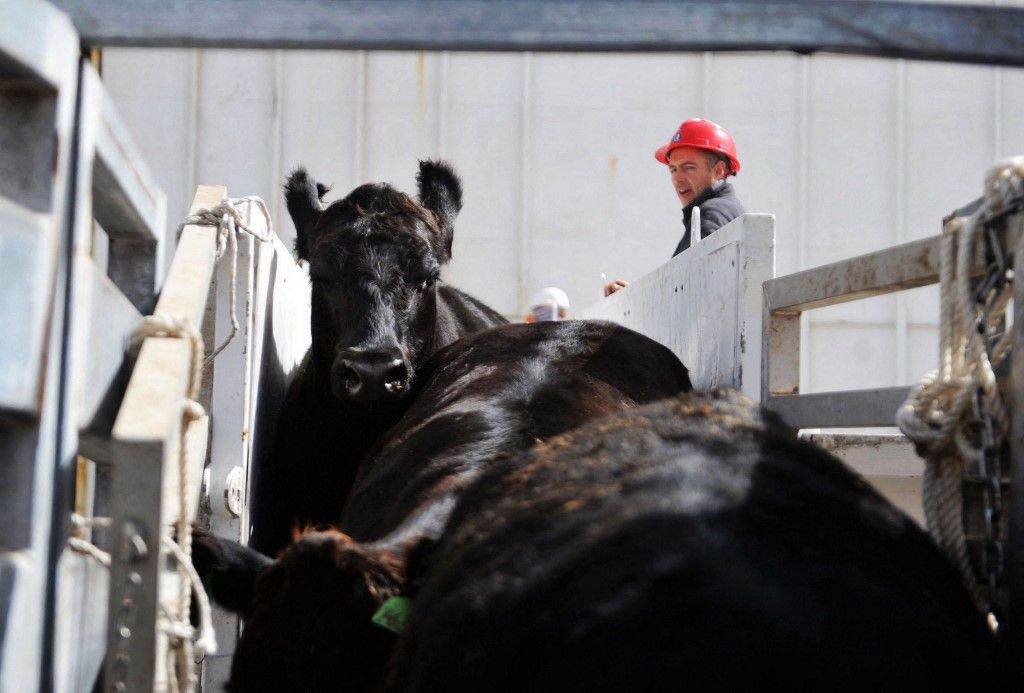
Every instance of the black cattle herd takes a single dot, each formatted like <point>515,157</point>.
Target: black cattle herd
<point>455,503</point>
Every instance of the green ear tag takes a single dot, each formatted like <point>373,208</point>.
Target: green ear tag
<point>393,614</point>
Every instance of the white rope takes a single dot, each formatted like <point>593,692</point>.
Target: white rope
<point>82,546</point>
<point>939,412</point>
<point>228,219</point>
<point>79,543</point>
<point>181,635</point>
<point>205,639</point>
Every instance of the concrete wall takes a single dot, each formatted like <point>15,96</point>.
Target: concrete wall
<point>850,154</point>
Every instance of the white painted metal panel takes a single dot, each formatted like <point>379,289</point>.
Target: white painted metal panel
<point>26,265</point>
<point>705,304</point>
<point>36,117</point>
<point>153,91</point>
<point>250,378</point>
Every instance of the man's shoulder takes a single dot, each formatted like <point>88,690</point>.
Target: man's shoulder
<point>725,203</point>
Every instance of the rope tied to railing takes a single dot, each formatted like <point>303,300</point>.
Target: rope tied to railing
<point>956,415</point>
<point>229,219</point>
<point>79,543</point>
<point>184,641</point>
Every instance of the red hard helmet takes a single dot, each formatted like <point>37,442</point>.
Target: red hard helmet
<point>702,134</point>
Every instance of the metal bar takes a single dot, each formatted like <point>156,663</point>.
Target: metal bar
<point>188,280</point>
<point>127,202</point>
<point>780,354</point>
<point>145,449</point>
<point>116,189</point>
<point>104,378</point>
<point>146,441</point>
<point>38,82</point>
<point>848,408</point>
<point>901,267</point>
<point>872,454</point>
<point>917,30</point>
<point>36,44</point>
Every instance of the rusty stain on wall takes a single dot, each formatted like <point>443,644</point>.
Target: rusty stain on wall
<point>421,97</point>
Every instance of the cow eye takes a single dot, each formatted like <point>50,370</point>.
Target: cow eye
<point>424,284</point>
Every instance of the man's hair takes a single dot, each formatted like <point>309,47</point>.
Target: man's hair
<point>715,157</point>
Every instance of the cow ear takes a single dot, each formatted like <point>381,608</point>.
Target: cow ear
<point>441,192</point>
<point>302,196</point>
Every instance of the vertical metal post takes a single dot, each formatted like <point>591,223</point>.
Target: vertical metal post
<point>780,344</point>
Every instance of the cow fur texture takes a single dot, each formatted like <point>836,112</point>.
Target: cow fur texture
<point>695,543</point>
<point>478,400</point>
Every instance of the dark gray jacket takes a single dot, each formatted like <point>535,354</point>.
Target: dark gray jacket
<point>717,208</point>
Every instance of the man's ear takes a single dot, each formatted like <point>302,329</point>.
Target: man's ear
<point>302,196</point>
<point>440,191</point>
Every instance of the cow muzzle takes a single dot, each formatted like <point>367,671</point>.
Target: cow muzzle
<point>366,376</point>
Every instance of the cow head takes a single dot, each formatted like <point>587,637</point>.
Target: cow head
<point>374,259</point>
<point>310,625</point>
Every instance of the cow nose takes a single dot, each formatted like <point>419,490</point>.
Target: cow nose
<point>369,375</point>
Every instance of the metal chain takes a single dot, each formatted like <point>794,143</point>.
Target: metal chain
<point>988,410</point>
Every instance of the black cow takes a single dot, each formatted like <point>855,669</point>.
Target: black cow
<point>694,543</point>
<point>379,310</point>
<point>487,395</point>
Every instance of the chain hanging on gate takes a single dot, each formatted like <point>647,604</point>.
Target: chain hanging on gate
<point>227,216</point>
<point>956,416</point>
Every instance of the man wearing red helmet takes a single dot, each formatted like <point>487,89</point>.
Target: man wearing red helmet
<point>700,157</point>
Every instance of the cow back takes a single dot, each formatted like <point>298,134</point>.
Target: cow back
<point>692,543</point>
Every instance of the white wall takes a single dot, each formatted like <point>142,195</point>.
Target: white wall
<point>851,155</point>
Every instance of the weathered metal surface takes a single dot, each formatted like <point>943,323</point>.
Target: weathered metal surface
<point>250,378</point>
<point>104,344</point>
<point>893,269</point>
<point>188,279</point>
<point>780,359</point>
<point>146,441</point>
<point>925,31</point>
<point>127,201</point>
<point>145,446</point>
<point>38,74</point>
<point>26,286</point>
<point>80,633</point>
<point>36,44</point>
<point>98,348</point>
<point>27,115</point>
<point>875,454</point>
<point>705,304</point>
<point>887,461</point>
<point>851,408</point>
<point>118,191</point>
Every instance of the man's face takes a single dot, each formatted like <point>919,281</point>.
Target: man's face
<point>691,173</point>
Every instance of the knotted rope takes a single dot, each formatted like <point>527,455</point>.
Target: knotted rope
<point>184,640</point>
<point>181,635</point>
<point>79,543</point>
<point>956,416</point>
<point>229,220</point>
